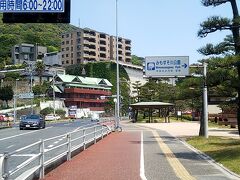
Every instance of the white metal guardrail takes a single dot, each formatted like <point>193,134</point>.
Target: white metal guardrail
<point>34,158</point>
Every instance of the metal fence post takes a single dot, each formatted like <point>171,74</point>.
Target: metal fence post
<point>95,139</point>
<point>84,139</point>
<point>102,132</point>
<point>69,147</point>
<point>42,169</point>
<point>4,174</point>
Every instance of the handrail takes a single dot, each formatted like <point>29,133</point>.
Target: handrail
<point>24,164</point>
<point>6,174</point>
<point>26,147</point>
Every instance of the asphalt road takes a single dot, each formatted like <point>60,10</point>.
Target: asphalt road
<point>13,139</point>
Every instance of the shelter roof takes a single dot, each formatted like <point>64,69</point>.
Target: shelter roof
<point>140,105</point>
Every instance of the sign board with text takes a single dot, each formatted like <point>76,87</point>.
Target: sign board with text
<point>26,96</point>
<point>166,66</point>
<point>33,6</point>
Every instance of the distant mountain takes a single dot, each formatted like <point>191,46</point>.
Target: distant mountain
<point>43,34</point>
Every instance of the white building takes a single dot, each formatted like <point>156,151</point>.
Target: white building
<point>52,59</point>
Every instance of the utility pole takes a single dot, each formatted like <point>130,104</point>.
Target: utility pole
<point>54,97</point>
<point>14,103</point>
<point>31,84</point>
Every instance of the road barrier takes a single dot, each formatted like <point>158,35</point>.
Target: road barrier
<point>44,153</point>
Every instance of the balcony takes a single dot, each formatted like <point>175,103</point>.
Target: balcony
<point>86,100</point>
<point>128,42</point>
<point>87,91</point>
<point>86,48</point>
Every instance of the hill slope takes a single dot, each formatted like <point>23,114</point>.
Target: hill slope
<point>43,34</point>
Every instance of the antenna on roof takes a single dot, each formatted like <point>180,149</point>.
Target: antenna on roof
<point>79,23</point>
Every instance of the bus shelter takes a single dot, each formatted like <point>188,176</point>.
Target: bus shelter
<point>162,107</point>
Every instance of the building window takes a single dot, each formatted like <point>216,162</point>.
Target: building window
<point>67,62</point>
<point>66,55</point>
<point>62,62</point>
<point>78,33</point>
<point>62,55</point>
<point>71,61</point>
<point>67,42</point>
<point>71,41</point>
<point>63,49</point>
<point>63,42</point>
<point>63,36</point>
<point>67,35</point>
<point>67,48</point>
<point>71,55</point>
<point>71,48</point>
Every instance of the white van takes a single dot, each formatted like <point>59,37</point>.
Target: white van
<point>95,117</point>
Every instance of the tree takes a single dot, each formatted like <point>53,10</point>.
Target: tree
<point>136,86</point>
<point>6,93</point>
<point>40,68</point>
<point>217,23</point>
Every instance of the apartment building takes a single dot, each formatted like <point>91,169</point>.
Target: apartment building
<point>87,45</point>
<point>25,53</point>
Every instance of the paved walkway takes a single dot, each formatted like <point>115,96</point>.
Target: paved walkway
<point>144,151</point>
<point>114,157</point>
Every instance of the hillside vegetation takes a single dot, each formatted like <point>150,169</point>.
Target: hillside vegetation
<point>44,34</point>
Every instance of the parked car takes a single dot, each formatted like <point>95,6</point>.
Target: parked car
<point>2,117</point>
<point>51,117</point>
<point>95,117</point>
<point>22,117</point>
<point>34,121</point>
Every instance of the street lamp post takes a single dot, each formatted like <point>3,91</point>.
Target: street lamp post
<point>205,102</point>
<point>117,61</point>
<point>204,124</point>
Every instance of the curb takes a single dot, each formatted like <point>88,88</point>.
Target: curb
<point>225,170</point>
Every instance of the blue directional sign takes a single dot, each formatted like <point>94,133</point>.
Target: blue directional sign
<point>170,66</point>
<point>32,6</point>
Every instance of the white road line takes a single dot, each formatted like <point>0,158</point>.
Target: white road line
<point>23,134</point>
<point>10,146</point>
<point>55,142</point>
<point>50,146</point>
<point>142,169</point>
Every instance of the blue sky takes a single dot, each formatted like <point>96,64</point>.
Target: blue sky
<point>156,27</point>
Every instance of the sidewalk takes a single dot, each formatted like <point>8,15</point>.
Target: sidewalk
<point>184,129</point>
<point>118,155</point>
<point>114,157</point>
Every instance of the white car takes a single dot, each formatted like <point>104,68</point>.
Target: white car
<point>51,117</point>
<point>95,117</point>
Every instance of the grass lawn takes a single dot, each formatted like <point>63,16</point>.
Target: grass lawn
<point>225,151</point>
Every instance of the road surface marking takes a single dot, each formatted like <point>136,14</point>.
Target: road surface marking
<point>23,134</point>
<point>55,142</point>
<point>142,169</point>
<point>50,146</point>
<point>177,166</point>
<point>10,146</point>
